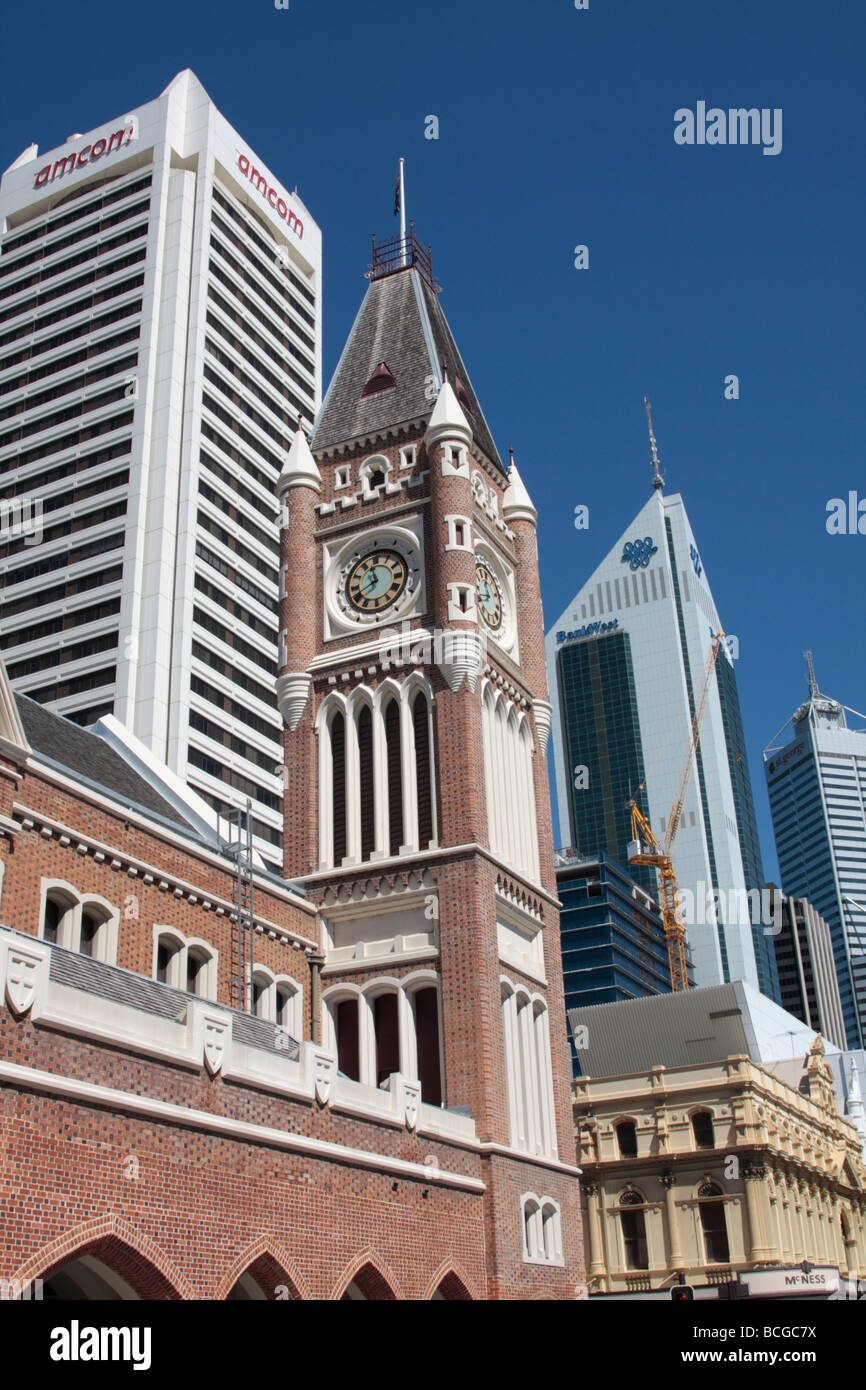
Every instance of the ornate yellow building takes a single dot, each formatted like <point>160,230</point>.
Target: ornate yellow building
<point>716,1169</point>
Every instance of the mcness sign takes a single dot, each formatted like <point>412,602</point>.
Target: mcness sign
<point>271,195</point>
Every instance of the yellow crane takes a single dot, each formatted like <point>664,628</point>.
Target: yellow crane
<point>645,848</point>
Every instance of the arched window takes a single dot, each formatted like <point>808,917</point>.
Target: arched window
<point>702,1129</point>
<point>260,990</point>
<point>528,1071</point>
<point>542,1229</point>
<point>345,1016</point>
<point>57,905</point>
<point>86,925</point>
<point>169,951</point>
<point>421,728</point>
<point>389,1026</point>
<point>386,1025</point>
<point>394,773</point>
<point>183,964</point>
<point>711,1208</point>
<point>376,777</point>
<point>531,1228</point>
<point>367,786</point>
<point>196,968</point>
<point>425,1004</point>
<point>633,1231</point>
<point>288,1008</point>
<point>626,1138</point>
<point>338,787</point>
<point>512,823</point>
<point>549,1230</point>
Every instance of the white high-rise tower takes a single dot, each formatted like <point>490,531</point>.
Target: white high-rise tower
<point>160,337</point>
<point>625,662</point>
<point>816,779</point>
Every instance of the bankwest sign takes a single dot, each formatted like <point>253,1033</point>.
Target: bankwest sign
<point>271,195</point>
<point>89,154</point>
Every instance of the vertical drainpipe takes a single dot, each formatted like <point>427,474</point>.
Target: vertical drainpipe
<point>316,963</point>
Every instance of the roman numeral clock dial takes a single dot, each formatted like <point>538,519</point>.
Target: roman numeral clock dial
<point>489,596</point>
<point>376,581</point>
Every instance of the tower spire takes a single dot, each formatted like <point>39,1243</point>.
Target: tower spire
<point>658,480</point>
<point>813,684</point>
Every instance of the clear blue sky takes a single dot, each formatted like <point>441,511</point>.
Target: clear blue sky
<point>556,128</point>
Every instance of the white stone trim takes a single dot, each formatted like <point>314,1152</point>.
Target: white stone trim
<point>525,1025</point>
<point>404,988</point>
<point>105,942</point>
<point>541,1223</point>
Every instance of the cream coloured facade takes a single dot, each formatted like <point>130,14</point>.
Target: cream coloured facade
<point>713,1170</point>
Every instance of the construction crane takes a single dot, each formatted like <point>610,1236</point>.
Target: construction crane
<point>645,848</point>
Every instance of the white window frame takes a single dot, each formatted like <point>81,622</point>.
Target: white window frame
<point>541,1224</point>
<point>69,933</point>
<point>208,975</point>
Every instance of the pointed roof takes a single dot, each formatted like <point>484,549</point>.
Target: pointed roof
<point>300,468</point>
<point>400,322</point>
<point>448,417</point>
<point>517,503</point>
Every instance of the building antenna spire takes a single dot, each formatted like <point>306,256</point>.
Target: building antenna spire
<point>813,684</point>
<point>658,480</point>
<point>400,207</point>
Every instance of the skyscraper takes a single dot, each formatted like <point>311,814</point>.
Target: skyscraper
<point>613,941</point>
<point>807,971</point>
<point>159,340</point>
<point>625,661</point>
<point>816,779</point>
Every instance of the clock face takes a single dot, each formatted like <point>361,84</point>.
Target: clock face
<point>489,596</point>
<point>376,580</point>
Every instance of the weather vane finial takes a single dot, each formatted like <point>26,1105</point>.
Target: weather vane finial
<point>658,480</point>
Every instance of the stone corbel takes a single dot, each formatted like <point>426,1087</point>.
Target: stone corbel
<point>293,692</point>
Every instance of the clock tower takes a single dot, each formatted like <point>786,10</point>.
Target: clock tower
<point>414,696</point>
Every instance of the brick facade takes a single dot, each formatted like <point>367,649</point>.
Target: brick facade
<point>219,1167</point>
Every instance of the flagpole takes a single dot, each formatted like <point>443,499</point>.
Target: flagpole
<point>402,213</point>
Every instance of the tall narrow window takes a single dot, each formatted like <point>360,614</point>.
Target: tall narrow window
<point>286,1007</point>
<point>420,721</point>
<point>165,952</point>
<point>365,768</point>
<point>51,921</point>
<point>395,778</point>
<point>634,1231</point>
<point>626,1138</point>
<point>89,929</point>
<point>713,1224</point>
<point>702,1128</point>
<point>427,1033</point>
<point>387,1026</point>
<point>338,760</point>
<point>348,1054</point>
<point>195,972</point>
<point>258,998</point>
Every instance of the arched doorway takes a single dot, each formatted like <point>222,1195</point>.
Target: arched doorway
<point>105,1269</point>
<point>367,1284</point>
